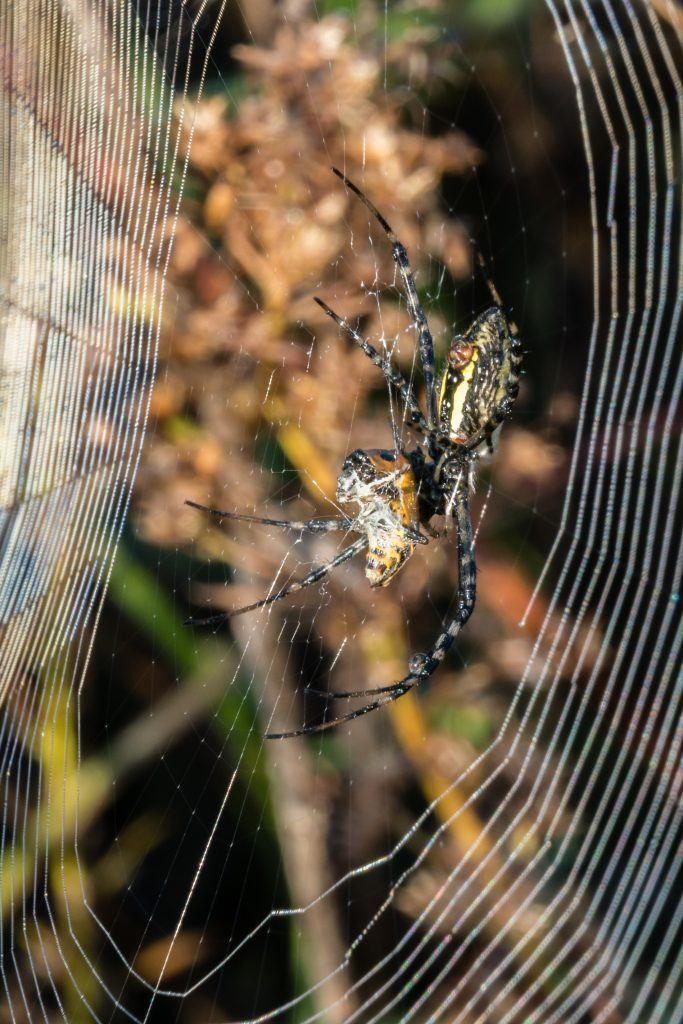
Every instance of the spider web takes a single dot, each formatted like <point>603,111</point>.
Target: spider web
<point>504,846</point>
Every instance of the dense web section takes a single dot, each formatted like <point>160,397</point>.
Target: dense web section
<point>505,846</point>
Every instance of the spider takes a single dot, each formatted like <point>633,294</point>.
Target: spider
<point>397,492</point>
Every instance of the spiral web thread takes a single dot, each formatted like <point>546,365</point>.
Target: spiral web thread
<point>91,139</point>
<point>89,147</point>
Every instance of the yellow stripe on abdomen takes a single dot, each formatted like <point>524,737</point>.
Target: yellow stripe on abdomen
<point>460,392</point>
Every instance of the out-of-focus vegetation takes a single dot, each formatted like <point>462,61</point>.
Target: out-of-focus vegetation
<point>458,121</point>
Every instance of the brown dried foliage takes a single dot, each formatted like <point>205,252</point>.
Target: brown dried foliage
<point>247,346</point>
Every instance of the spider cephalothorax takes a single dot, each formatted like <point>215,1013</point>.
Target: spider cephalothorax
<point>395,493</point>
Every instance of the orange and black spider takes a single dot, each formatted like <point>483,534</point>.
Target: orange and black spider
<point>397,492</point>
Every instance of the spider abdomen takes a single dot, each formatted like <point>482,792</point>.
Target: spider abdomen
<point>382,484</point>
<point>481,379</point>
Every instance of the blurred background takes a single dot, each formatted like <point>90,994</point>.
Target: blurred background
<point>459,121</point>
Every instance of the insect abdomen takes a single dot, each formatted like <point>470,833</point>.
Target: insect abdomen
<point>387,553</point>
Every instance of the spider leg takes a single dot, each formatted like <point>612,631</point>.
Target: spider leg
<point>423,665</point>
<point>417,420</point>
<point>404,685</point>
<point>495,294</point>
<point>322,726</point>
<point>303,525</point>
<point>291,588</point>
<point>395,433</point>
<point>415,535</point>
<point>400,254</point>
